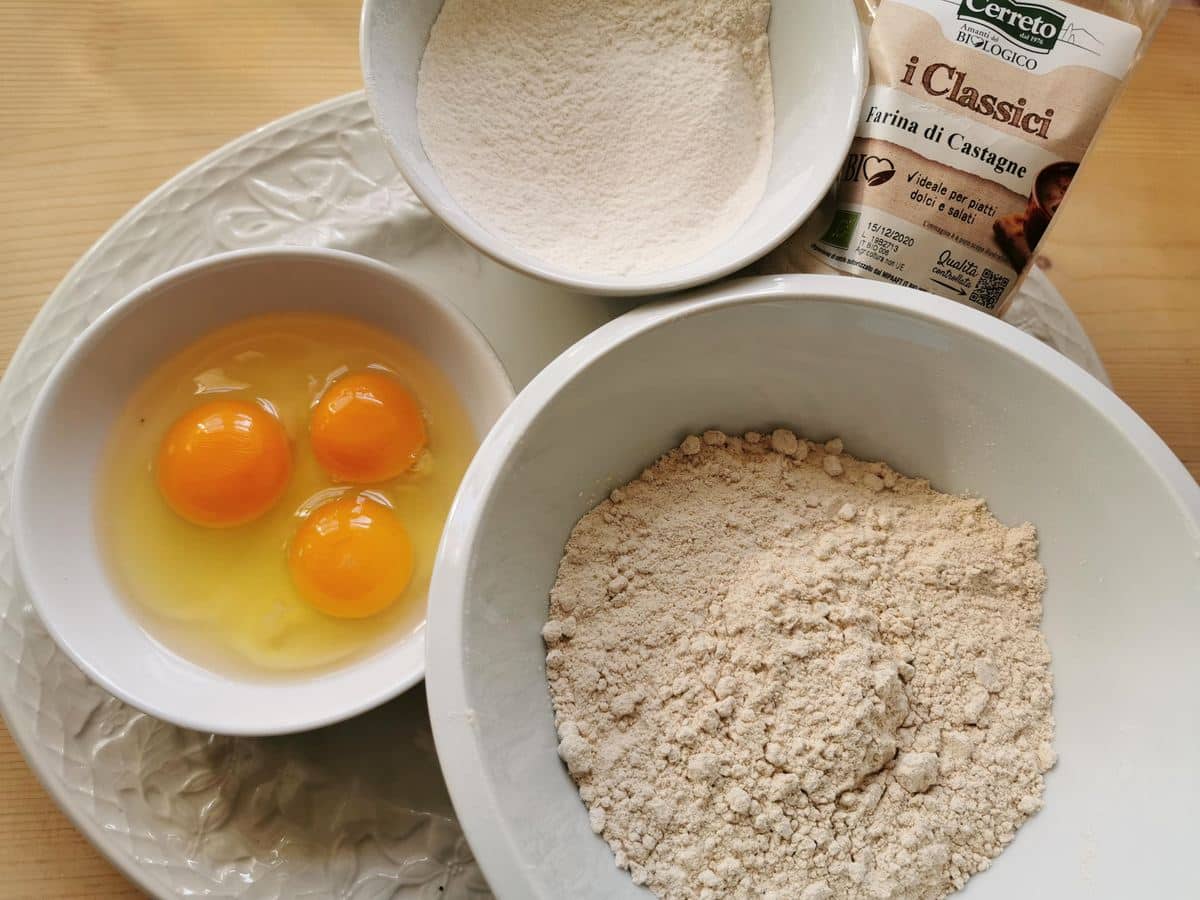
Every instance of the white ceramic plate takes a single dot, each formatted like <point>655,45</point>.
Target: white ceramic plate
<point>357,810</point>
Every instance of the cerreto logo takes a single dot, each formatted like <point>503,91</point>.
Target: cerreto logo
<point>1031,26</point>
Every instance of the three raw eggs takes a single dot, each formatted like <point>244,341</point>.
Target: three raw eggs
<point>274,495</point>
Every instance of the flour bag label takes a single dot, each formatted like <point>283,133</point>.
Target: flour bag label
<point>977,115</point>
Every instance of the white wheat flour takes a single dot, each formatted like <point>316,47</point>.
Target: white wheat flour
<point>601,135</point>
<point>778,671</point>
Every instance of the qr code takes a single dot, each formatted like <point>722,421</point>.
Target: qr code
<point>989,289</point>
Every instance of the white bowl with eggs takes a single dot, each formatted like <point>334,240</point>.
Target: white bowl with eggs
<point>58,520</point>
<point>937,390</point>
<point>818,71</point>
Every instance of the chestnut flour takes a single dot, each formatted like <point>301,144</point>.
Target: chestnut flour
<point>779,671</point>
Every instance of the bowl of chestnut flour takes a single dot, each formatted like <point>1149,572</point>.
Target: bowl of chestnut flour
<point>819,588</point>
<point>617,148</point>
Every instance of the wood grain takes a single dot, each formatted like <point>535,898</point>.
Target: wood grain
<point>1126,252</point>
<point>100,102</point>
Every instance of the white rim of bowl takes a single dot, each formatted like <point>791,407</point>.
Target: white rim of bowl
<point>99,328</point>
<point>656,283</point>
<point>445,684</point>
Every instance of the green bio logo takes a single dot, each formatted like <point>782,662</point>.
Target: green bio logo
<point>1030,25</point>
<point>841,229</point>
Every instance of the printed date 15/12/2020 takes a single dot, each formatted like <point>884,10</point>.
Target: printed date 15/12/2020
<point>892,234</point>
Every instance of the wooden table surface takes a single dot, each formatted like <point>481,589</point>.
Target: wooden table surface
<point>103,101</point>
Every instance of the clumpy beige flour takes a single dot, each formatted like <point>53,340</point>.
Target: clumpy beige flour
<point>778,671</point>
<point>602,136</point>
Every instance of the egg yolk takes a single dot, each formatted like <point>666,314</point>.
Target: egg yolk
<point>224,463</point>
<point>351,558</point>
<point>367,428</point>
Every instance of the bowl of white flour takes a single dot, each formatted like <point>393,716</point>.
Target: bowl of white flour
<point>816,588</point>
<point>616,147</point>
